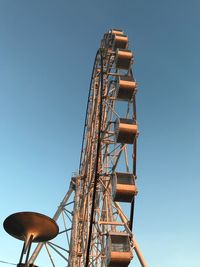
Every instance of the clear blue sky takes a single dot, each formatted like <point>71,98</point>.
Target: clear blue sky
<point>47,50</point>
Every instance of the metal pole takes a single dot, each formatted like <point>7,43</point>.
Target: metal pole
<point>139,254</point>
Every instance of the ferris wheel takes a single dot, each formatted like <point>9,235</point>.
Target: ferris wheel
<point>95,217</point>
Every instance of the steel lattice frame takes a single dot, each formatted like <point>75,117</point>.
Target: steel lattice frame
<point>88,211</point>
